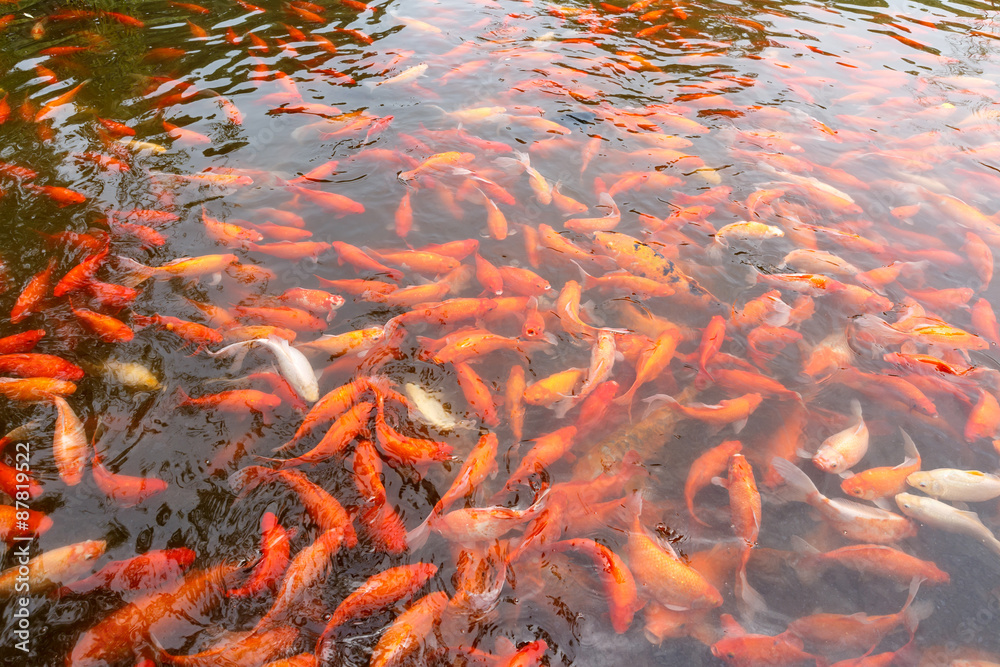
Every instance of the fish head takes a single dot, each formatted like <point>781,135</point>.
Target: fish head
<point>853,486</point>
<point>829,460</point>
<point>92,549</point>
<point>310,393</point>
<point>710,598</point>
<point>926,483</point>
<point>728,649</point>
<point>138,376</point>
<point>907,502</point>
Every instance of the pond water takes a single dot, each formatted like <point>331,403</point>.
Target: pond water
<point>779,205</point>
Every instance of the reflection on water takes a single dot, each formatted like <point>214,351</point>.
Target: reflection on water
<point>575,250</point>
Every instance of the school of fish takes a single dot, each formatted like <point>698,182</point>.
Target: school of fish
<point>503,368</point>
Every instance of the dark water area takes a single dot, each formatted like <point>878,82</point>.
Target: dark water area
<point>823,179</point>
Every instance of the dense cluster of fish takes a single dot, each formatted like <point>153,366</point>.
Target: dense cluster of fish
<point>623,325</point>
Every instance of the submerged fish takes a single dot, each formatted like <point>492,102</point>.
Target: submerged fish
<point>51,568</point>
<point>429,408</point>
<point>853,520</point>
<point>560,244</point>
<point>952,484</point>
<point>845,449</point>
<point>293,364</point>
<point>945,517</point>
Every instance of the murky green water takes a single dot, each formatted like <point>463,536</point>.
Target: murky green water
<point>865,119</point>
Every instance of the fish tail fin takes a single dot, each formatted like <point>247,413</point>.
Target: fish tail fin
<point>587,281</point>
<point>914,589</point>
<point>626,398</point>
<point>806,563</point>
<point>856,408</point>
<point>751,602</point>
<point>910,615</point>
<point>135,273</point>
<point>240,355</point>
<point>181,397</point>
<point>739,424</point>
<point>917,612</point>
<point>910,448</point>
<point>564,406</point>
<point>245,479</point>
<point>654,401</point>
<point>797,485</point>
<point>417,538</point>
